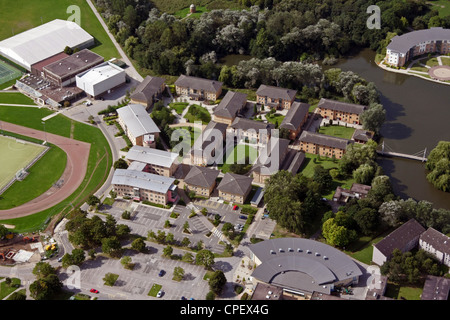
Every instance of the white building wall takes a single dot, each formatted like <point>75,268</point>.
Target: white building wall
<point>378,257</point>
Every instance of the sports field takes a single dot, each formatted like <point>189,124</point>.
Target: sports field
<point>8,72</point>
<point>14,156</point>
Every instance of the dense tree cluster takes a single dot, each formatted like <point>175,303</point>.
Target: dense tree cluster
<point>290,31</point>
<point>394,212</point>
<point>47,283</point>
<point>411,267</point>
<point>293,201</point>
<point>94,232</point>
<point>438,162</point>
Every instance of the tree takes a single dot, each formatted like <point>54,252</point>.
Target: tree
<point>188,257</point>
<point>3,231</point>
<point>438,163</point>
<point>185,242</point>
<point>178,273</point>
<point>110,279</point>
<point>138,245</point>
<point>77,257</point>
<point>120,164</point>
<point>364,174</point>
<point>167,251</point>
<point>18,295</point>
<point>217,281</point>
<point>93,200</point>
<point>44,288</point>
<point>322,177</point>
<point>381,191</point>
<point>43,269</point>
<point>367,220</point>
<point>126,215</point>
<point>127,262</point>
<point>205,258</point>
<point>111,246</point>
<point>373,118</point>
<point>337,235</point>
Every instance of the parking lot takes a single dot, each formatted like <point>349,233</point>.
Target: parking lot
<point>136,283</point>
<point>146,218</point>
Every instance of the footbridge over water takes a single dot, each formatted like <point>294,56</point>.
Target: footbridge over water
<point>388,152</point>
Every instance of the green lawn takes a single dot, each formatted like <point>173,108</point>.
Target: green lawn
<point>99,162</point>
<point>337,131</point>
<point>307,169</point>
<point>397,291</point>
<point>5,290</point>
<point>23,15</point>
<point>154,290</point>
<point>432,62</point>
<point>274,118</point>
<point>15,98</point>
<point>445,60</point>
<point>193,131</point>
<point>238,154</point>
<point>178,106</point>
<point>442,6</point>
<point>198,113</point>
<point>42,175</point>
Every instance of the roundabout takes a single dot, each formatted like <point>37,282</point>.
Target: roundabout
<point>440,73</point>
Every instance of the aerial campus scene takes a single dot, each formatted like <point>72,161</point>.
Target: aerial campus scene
<point>242,151</point>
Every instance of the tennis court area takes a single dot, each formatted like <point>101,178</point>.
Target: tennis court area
<point>14,156</point>
<point>7,72</point>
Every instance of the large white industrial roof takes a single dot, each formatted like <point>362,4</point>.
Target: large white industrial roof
<point>142,180</point>
<point>152,156</point>
<point>100,73</point>
<point>44,41</point>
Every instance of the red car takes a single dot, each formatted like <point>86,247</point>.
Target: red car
<point>235,207</point>
<point>94,290</point>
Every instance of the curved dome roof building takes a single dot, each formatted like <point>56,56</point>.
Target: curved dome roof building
<point>302,265</point>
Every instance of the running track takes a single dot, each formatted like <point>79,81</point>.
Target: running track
<point>77,159</point>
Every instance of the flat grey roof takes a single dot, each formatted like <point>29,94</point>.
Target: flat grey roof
<point>142,180</point>
<point>137,120</point>
<point>408,40</point>
<point>152,156</point>
<point>298,269</point>
<point>436,288</point>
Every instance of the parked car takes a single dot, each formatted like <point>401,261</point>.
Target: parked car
<point>183,298</point>
<point>94,290</point>
<point>242,217</point>
<point>159,294</point>
<point>235,207</point>
<point>161,273</point>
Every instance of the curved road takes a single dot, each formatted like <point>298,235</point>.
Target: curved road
<point>77,159</point>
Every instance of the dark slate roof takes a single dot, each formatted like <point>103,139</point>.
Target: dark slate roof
<point>264,163</point>
<point>247,124</point>
<point>296,162</point>
<point>147,88</point>
<point>295,116</point>
<point>276,92</point>
<point>201,177</point>
<point>231,104</point>
<point>408,40</point>
<point>400,237</point>
<point>341,106</point>
<point>235,184</point>
<point>324,140</point>
<point>435,288</point>
<point>302,264</point>
<point>362,135</point>
<point>207,135</point>
<point>198,83</point>
<point>438,240</point>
